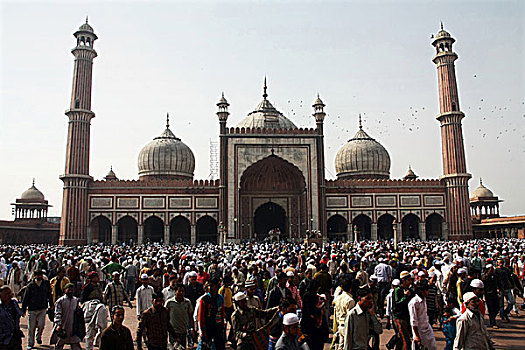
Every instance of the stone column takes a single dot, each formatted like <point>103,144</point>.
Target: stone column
<point>167,234</point>
<point>398,232</point>
<point>90,235</point>
<point>193,235</point>
<point>140,234</point>
<point>444,230</point>
<point>422,231</point>
<point>114,234</point>
<point>373,233</point>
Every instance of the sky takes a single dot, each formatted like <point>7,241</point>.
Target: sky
<point>177,57</point>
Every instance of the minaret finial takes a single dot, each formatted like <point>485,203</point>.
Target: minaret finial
<point>265,95</point>
<point>111,167</point>
<point>86,19</point>
<point>480,181</point>
<point>167,120</point>
<point>33,182</point>
<point>223,94</point>
<point>360,122</point>
<point>441,25</point>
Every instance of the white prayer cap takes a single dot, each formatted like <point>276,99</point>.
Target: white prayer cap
<point>239,296</point>
<point>468,297</point>
<point>144,276</point>
<point>462,271</point>
<point>477,283</point>
<point>396,282</point>
<point>290,319</point>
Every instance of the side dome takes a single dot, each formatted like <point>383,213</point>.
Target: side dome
<point>166,157</point>
<point>362,157</point>
<point>266,115</point>
<point>481,191</point>
<point>32,194</point>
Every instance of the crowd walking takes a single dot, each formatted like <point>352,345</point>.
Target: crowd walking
<point>266,295</point>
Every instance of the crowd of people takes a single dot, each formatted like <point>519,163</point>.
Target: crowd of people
<point>262,295</point>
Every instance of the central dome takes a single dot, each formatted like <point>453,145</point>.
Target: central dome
<point>362,157</point>
<point>166,157</point>
<point>266,115</point>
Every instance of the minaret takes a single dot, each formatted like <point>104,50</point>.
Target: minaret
<point>319,116</point>
<point>223,114</point>
<point>455,174</point>
<point>74,222</point>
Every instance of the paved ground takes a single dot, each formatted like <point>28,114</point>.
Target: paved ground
<point>510,336</point>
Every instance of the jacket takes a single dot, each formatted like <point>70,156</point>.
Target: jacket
<point>37,297</point>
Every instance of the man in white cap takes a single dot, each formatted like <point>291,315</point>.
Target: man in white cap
<point>243,321</point>
<point>423,335</point>
<point>144,295</point>
<point>288,340</point>
<point>476,287</point>
<point>471,330</point>
<point>462,274</point>
<point>402,296</point>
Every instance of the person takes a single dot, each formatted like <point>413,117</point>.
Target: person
<point>314,324</point>
<point>390,303</point>
<point>471,330</point>
<point>10,313</point>
<point>116,336</point>
<point>253,300</point>
<point>64,315</point>
<point>383,272</point>
<point>14,278</point>
<point>505,281</point>
<point>476,287</point>
<point>92,289</point>
<point>343,303</point>
<point>286,306</point>
<point>96,319</point>
<point>279,291</point>
<point>171,289</point>
<point>289,339</point>
<point>155,325</point>
<point>422,333</point>
<point>181,313</point>
<point>194,289</point>
<point>144,295</point>
<point>227,294</point>
<point>111,267</point>
<point>115,294</point>
<point>360,321</point>
<point>37,298</point>
<point>491,291</point>
<point>211,317</point>
<point>449,327</point>
<point>402,296</point>
<point>58,283</point>
<point>131,278</point>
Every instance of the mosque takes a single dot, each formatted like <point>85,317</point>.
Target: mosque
<point>271,178</point>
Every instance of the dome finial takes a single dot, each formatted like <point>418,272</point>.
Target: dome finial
<point>265,95</point>
<point>167,120</point>
<point>33,182</point>
<point>441,25</point>
<point>360,122</point>
<point>86,19</point>
<point>480,181</point>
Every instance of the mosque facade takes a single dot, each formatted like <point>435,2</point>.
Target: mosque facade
<point>271,179</point>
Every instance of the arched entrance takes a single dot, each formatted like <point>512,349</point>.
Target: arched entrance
<point>153,229</point>
<point>337,227</point>
<point>363,225</point>
<point>180,230</point>
<point>410,227</point>
<point>272,180</point>
<point>127,230</point>
<point>385,227</point>
<point>433,227</point>
<point>101,229</point>
<point>270,217</point>
<point>206,229</point>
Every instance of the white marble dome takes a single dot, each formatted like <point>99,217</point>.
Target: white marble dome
<point>482,191</point>
<point>362,157</point>
<point>267,116</point>
<point>32,194</point>
<point>166,157</point>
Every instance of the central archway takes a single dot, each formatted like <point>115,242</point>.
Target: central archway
<point>273,194</point>
<point>270,217</point>
<point>153,229</point>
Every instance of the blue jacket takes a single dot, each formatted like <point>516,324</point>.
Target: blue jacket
<point>8,325</point>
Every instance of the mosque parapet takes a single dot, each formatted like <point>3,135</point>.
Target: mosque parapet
<point>344,183</point>
<point>272,131</point>
<point>181,183</point>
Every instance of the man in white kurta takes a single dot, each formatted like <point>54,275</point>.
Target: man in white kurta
<point>64,311</point>
<point>96,318</point>
<point>471,330</point>
<point>422,332</point>
<point>144,295</point>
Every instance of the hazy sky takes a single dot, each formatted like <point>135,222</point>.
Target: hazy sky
<point>369,57</point>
